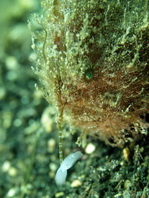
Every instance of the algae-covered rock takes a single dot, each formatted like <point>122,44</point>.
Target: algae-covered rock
<point>93,62</point>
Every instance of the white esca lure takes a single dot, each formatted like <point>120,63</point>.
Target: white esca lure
<point>67,163</point>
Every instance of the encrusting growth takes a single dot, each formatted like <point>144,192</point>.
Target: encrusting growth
<point>93,62</point>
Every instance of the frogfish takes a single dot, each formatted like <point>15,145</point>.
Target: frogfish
<point>93,64</point>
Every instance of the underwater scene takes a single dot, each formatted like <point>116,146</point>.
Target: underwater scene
<point>74,99</point>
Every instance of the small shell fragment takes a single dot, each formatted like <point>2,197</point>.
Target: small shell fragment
<point>67,163</point>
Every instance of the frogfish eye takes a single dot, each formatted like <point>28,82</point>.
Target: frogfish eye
<point>89,74</point>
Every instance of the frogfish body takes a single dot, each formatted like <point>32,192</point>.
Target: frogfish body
<point>93,62</point>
